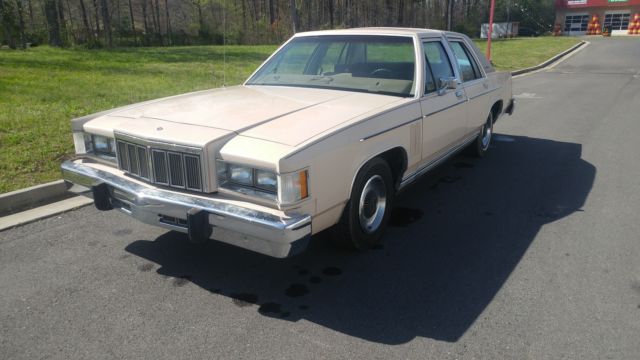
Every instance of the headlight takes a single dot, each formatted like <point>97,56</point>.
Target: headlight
<point>103,145</point>
<point>289,188</point>
<point>267,180</point>
<point>97,144</point>
<point>241,174</point>
<point>293,187</point>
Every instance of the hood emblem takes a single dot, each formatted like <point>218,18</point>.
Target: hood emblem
<point>159,128</point>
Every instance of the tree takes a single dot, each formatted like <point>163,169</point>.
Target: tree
<point>106,22</point>
<point>51,14</point>
<point>7,24</point>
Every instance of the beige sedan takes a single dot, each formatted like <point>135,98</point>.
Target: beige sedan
<point>321,136</point>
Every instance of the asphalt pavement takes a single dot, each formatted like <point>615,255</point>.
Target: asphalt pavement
<point>530,253</point>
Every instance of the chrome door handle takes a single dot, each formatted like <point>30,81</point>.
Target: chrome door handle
<point>459,94</point>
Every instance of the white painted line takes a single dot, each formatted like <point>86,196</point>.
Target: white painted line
<point>28,216</point>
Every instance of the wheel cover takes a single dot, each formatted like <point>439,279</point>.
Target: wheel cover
<point>487,130</point>
<point>373,202</point>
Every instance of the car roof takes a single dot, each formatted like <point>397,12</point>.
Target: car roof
<point>375,31</point>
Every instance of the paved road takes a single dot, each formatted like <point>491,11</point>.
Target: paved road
<point>532,252</point>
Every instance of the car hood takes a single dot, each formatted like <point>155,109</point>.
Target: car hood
<point>285,115</point>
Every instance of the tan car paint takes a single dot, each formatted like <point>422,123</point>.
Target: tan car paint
<point>330,133</point>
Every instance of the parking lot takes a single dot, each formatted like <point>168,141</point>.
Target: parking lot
<point>532,252</point>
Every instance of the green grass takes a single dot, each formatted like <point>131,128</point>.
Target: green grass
<point>41,89</point>
<point>519,53</point>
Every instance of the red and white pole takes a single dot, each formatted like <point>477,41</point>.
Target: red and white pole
<point>493,7</point>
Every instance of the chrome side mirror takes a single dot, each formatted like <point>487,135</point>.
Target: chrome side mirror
<point>448,83</point>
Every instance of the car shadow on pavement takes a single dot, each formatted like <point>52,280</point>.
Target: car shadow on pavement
<point>456,236</point>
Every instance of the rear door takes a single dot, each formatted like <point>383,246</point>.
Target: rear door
<point>474,82</point>
<point>444,116</point>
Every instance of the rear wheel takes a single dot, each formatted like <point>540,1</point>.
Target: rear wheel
<point>367,212</point>
<point>481,145</point>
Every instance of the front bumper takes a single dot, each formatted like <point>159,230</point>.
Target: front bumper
<point>228,221</point>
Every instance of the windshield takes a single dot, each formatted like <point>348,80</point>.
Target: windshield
<point>365,63</point>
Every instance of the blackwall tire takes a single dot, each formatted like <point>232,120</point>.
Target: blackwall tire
<point>367,212</point>
<point>482,143</point>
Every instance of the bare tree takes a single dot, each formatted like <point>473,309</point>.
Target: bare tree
<point>51,14</point>
<point>106,21</point>
<point>133,24</point>
<point>168,21</point>
<point>295,21</point>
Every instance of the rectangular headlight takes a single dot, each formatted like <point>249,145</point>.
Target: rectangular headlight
<point>267,180</point>
<point>103,145</point>
<point>293,187</point>
<point>87,143</point>
<point>241,174</point>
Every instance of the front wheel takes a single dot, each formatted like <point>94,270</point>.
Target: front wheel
<point>481,145</point>
<point>367,212</point>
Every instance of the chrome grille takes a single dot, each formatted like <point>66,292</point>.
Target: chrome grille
<point>159,166</point>
<point>192,170</point>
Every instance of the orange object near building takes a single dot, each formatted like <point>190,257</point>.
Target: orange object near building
<point>593,17</point>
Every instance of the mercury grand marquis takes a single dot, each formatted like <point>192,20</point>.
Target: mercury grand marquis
<point>321,136</point>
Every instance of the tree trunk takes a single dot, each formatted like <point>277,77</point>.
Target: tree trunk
<point>272,12</point>
<point>61,21</point>
<point>23,39</point>
<point>106,22</point>
<point>331,10</point>
<point>6,28</point>
<point>31,23</point>
<point>449,11</point>
<point>295,22</point>
<point>389,12</point>
<point>85,20</point>
<point>73,31</point>
<point>400,21</point>
<point>166,9</point>
<point>147,31</point>
<point>51,14</point>
<point>133,24</point>
<point>97,16</point>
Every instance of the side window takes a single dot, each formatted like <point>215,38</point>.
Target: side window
<point>468,67</point>
<point>438,65</point>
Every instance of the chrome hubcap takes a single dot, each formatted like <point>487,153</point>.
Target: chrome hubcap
<point>373,201</point>
<point>487,129</point>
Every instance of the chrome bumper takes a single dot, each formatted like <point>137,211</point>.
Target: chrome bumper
<point>217,219</point>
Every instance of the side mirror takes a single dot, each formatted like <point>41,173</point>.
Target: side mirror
<point>446,84</point>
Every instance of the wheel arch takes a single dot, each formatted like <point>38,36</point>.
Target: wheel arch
<point>397,159</point>
<point>496,110</point>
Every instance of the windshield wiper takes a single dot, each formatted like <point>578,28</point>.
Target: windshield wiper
<point>322,77</point>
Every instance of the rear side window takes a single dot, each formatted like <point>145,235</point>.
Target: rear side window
<point>468,67</point>
<point>438,65</point>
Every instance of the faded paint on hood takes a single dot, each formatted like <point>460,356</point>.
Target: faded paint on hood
<point>285,115</point>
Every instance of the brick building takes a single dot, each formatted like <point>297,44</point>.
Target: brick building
<point>574,16</point>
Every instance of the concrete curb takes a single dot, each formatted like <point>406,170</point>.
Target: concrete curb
<point>23,199</point>
<point>549,61</point>
<point>39,213</point>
